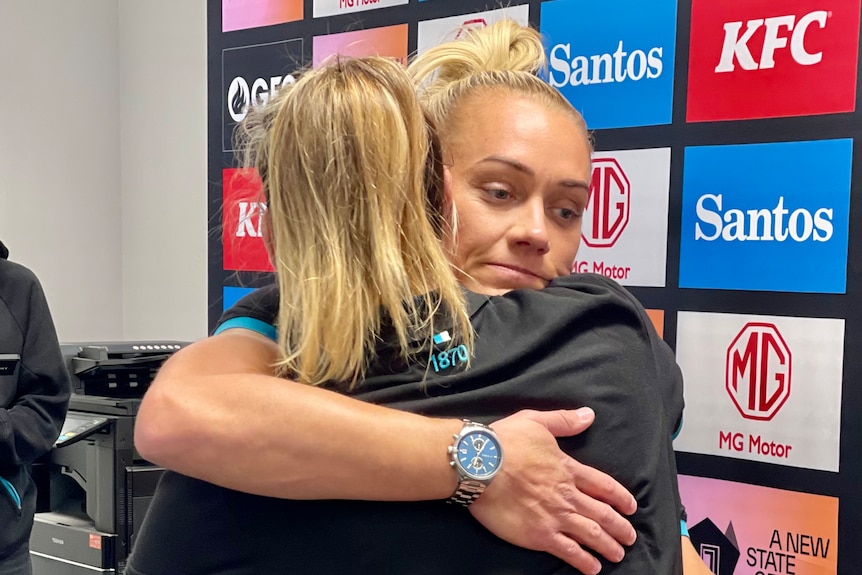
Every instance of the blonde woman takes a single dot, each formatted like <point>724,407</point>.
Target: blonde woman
<point>316,443</point>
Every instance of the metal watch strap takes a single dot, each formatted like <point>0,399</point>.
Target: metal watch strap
<point>468,491</point>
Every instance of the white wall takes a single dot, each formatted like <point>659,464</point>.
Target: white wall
<point>103,162</point>
<point>163,106</point>
<point>59,159</point>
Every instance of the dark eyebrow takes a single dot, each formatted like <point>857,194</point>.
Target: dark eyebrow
<point>529,171</point>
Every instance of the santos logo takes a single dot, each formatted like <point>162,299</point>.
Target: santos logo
<point>772,58</point>
<point>605,55</point>
<point>758,232</point>
<point>778,224</point>
<point>603,68</point>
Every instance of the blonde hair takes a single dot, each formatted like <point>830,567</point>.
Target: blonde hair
<point>504,55</point>
<point>353,178</point>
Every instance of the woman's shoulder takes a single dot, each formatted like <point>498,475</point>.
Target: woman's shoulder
<point>574,291</point>
<point>259,307</point>
<point>589,283</point>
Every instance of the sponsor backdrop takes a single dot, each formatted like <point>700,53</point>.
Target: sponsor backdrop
<point>723,196</point>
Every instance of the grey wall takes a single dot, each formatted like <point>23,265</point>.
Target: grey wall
<point>102,162</point>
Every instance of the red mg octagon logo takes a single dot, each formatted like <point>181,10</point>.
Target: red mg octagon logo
<point>472,24</point>
<point>608,208</point>
<point>758,371</point>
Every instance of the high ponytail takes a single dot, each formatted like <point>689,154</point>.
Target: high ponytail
<point>504,55</point>
<point>503,47</point>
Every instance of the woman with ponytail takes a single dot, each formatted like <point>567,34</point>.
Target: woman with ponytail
<point>289,455</point>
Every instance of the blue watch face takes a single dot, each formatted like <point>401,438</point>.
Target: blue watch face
<point>479,454</point>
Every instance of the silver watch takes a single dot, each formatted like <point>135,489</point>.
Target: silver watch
<point>476,456</point>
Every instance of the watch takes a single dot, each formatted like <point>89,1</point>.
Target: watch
<point>476,456</point>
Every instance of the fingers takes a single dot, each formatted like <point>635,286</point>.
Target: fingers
<point>565,548</point>
<point>602,487</point>
<point>598,526</point>
<point>593,536</point>
<point>561,422</point>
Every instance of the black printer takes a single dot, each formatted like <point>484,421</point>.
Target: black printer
<point>94,487</point>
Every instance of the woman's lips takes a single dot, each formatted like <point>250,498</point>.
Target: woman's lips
<point>518,272</point>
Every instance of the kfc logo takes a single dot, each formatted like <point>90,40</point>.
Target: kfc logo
<point>243,212</point>
<point>772,59</point>
<point>736,45</point>
<point>758,371</point>
<point>608,209</point>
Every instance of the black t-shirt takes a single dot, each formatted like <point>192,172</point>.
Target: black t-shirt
<point>583,341</point>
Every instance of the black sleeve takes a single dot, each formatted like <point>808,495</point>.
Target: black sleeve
<point>668,375</point>
<point>668,372</point>
<point>31,423</point>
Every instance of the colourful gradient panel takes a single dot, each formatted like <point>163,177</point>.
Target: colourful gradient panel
<point>388,41</point>
<point>657,318</point>
<point>244,14</point>
<point>741,529</point>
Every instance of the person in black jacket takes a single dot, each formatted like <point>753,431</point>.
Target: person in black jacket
<point>34,396</point>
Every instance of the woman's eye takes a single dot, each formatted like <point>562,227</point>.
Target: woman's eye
<point>499,194</point>
<point>568,213</point>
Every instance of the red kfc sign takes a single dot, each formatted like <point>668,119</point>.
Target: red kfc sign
<point>607,213</point>
<point>243,207</point>
<point>758,371</point>
<point>772,58</point>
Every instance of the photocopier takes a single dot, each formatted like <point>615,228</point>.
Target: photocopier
<point>94,487</point>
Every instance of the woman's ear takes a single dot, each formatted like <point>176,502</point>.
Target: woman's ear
<point>447,193</point>
<point>266,228</point>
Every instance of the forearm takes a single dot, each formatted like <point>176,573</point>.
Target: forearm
<point>692,564</point>
<point>260,434</point>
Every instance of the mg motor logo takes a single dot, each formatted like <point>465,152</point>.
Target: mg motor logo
<point>772,58</point>
<point>433,32</point>
<point>608,208</point>
<point>472,24</point>
<point>758,371</point>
